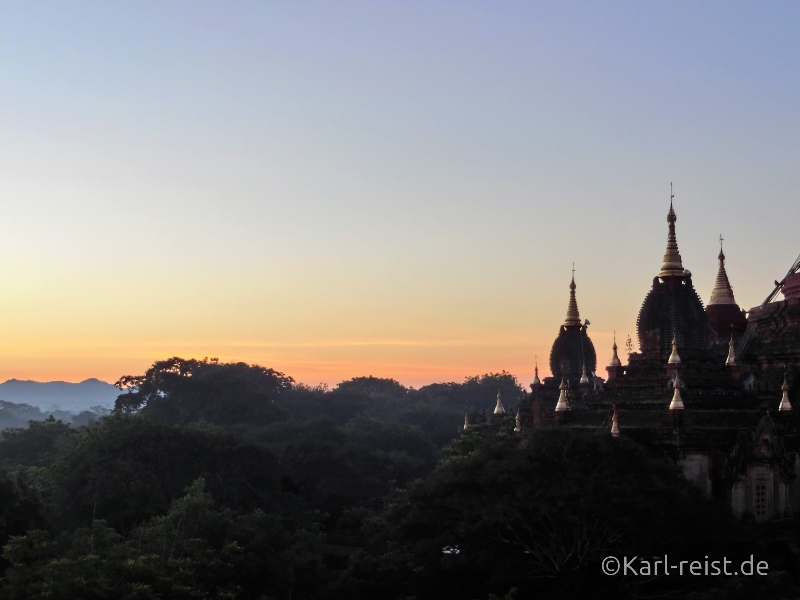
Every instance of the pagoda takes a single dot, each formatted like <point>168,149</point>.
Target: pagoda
<point>713,387</point>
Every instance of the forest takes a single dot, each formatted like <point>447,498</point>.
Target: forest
<point>230,480</point>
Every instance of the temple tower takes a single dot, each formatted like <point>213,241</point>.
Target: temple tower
<point>672,306</point>
<point>725,318</point>
<point>572,354</point>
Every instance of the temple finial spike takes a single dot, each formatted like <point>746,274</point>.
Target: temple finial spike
<point>573,316</point>
<point>671,265</point>
<point>722,292</point>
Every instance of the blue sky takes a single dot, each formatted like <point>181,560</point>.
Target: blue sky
<point>397,189</point>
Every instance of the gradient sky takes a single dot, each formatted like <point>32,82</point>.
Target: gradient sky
<point>335,189</point>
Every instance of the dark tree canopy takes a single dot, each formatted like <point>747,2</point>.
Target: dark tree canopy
<point>128,468</point>
<point>179,391</point>
<point>372,387</point>
<point>35,445</point>
<point>536,512</point>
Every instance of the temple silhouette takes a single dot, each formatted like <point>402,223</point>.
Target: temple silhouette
<point>714,387</point>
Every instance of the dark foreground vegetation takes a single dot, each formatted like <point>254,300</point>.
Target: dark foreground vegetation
<point>232,481</point>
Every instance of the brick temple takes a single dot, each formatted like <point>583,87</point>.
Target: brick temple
<point>714,387</point>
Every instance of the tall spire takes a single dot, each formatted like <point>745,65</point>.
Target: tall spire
<point>672,265</point>
<point>573,316</point>
<point>722,292</point>
<point>614,362</point>
<point>518,423</point>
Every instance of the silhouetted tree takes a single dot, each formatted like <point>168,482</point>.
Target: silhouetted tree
<point>536,512</point>
<point>178,391</point>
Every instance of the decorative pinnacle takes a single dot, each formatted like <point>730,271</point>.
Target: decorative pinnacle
<point>584,376</point>
<point>536,373</point>
<point>674,358</point>
<point>499,410</point>
<point>722,292</point>
<point>672,265</point>
<point>563,402</point>
<point>731,360</point>
<point>785,404</point>
<point>573,316</point>
<point>518,424</point>
<point>677,401</point>
<point>615,423</point>
<point>614,362</point>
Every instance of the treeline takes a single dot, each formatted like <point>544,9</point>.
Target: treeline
<point>16,415</point>
<point>215,480</point>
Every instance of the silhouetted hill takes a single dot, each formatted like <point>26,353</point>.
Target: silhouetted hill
<point>65,395</point>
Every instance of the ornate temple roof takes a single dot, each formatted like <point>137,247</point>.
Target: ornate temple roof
<point>722,292</point>
<point>672,264</point>
<point>573,316</point>
<point>725,318</point>
<point>572,350</point>
<point>672,306</point>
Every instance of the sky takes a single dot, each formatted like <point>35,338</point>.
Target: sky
<point>397,189</point>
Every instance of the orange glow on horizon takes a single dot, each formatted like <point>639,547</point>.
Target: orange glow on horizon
<point>412,362</point>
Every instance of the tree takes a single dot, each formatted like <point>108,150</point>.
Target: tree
<point>36,445</point>
<point>476,392</point>
<point>410,453</point>
<point>196,550</point>
<point>178,391</point>
<point>372,387</point>
<point>537,512</point>
<point>127,469</point>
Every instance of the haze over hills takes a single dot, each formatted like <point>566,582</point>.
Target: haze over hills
<point>65,395</point>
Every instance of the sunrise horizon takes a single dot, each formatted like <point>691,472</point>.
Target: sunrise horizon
<point>370,189</point>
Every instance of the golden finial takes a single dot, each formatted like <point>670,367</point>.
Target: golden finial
<point>614,362</point>
<point>677,402</point>
<point>498,409</point>
<point>672,265</point>
<point>674,358</point>
<point>722,292</point>
<point>584,376</point>
<point>573,316</point>
<point>562,404</point>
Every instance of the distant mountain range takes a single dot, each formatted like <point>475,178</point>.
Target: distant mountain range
<point>73,397</point>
